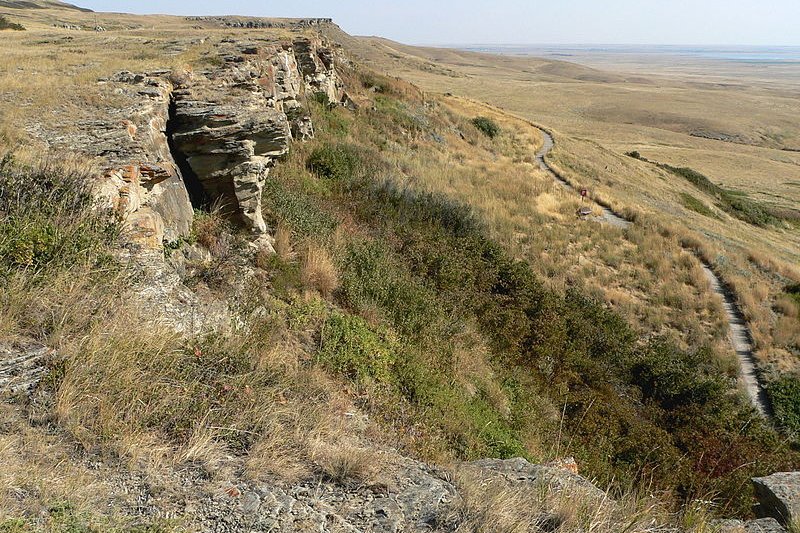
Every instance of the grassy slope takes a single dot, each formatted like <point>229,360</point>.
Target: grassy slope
<point>599,116</point>
<point>418,267</point>
<point>389,294</point>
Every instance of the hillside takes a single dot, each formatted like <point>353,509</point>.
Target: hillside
<point>715,167</point>
<point>249,283</point>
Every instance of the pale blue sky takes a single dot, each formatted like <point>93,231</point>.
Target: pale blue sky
<point>724,22</point>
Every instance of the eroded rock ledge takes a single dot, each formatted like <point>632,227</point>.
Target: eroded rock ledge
<point>205,138</point>
<point>231,125</point>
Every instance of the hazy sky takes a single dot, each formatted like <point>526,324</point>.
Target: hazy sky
<point>764,22</point>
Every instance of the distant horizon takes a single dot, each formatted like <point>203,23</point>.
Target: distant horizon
<point>425,23</point>
<point>565,44</point>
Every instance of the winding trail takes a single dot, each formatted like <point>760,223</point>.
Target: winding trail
<point>738,330</point>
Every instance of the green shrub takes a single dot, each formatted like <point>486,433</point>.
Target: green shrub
<point>693,204</point>
<point>486,126</point>
<point>348,346</point>
<point>6,24</point>
<point>634,154</point>
<point>784,395</point>
<point>733,203</point>
<point>380,84</point>
<point>793,290</point>
<point>675,379</point>
<point>48,218</point>
<point>321,98</point>
<point>335,161</point>
<point>299,210</point>
<point>399,113</point>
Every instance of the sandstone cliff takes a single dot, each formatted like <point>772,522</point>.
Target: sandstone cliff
<point>205,138</point>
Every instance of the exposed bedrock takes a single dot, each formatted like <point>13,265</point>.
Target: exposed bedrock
<point>207,138</point>
<point>231,125</point>
<point>140,178</point>
<point>230,148</point>
<point>317,65</point>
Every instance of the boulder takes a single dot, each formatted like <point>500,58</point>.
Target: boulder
<point>762,525</point>
<point>779,496</point>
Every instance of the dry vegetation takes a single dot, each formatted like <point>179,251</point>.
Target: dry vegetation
<point>365,308</point>
<point>658,110</point>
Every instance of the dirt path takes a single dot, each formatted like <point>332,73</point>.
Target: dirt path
<point>738,333</point>
<point>608,216</point>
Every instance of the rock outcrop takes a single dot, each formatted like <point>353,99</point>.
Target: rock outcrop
<point>139,177</point>
<point>518,472</point>
<point>413,497</point>
<point>779,496</point>
<point>409,496</point>
<point>230,125</point>
<point>317,64</point>
<point>762,525</point>
<point>22,366</point>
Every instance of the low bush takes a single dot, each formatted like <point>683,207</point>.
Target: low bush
<point>49,220</point>
<point>734,203</point>
<point>6,24</point>
<point>552,371</point>
<point>693,204</point>
<point>784,395</point>
<point>297,210</point>
<point>486,126</point>
<point>334,161</point>
<point>321,98</point>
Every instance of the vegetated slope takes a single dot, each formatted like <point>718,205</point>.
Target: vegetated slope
<point>40,4</point>
<point>597,122</point>
<point>422,267</point>
<point>384,298</point>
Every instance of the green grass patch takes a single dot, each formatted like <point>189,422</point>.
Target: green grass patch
<point>486,126</point>
<point>693,204</point>
<point>6,24</point>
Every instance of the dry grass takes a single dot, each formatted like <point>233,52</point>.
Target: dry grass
<point>127,390</point>
<point>495,506</point>
<point>345,462</point>
<point>318,271</point>
<point>644,272</point>
<point>599,115</point>
<point>283,243</point>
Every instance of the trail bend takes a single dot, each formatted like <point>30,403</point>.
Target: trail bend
<point>739,334</point>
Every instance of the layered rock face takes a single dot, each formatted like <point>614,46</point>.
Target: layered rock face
<point>140,178</point>
<point>205,138</point>
<point>317,66</point>
<point>232,124</point>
